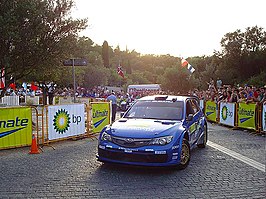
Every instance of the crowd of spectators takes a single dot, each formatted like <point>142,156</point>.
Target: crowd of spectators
<point>216,92</point>
<point>228,93</point>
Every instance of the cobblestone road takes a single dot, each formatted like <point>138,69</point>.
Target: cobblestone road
<point>72,171</point>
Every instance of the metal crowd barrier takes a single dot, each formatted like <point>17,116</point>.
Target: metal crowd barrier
<point>51,123</point>
<point>238,115</point>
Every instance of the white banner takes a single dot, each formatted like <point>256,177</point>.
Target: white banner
<point>201,105</point>
<point>264,118</point>
<point>32,100</point>
<point>65,121</point>
<point>227,113</point>
<point>10,100</point>
<point>66,100</point>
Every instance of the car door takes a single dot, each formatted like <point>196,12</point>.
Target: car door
<point>193,125</point>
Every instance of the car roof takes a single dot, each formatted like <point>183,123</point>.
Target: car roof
<point>166,97</point>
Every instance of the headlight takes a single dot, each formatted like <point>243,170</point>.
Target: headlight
<point>162,140</point>
<point>106,137</point>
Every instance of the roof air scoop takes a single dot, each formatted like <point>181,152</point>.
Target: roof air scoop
<point>161,97</point>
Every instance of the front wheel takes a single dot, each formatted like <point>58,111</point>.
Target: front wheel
<point>205,137</point>
<point>185,155</point>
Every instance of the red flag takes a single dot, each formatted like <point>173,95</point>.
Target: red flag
<point>184,62</point>
<point>2,79</point>
<point>120,71</point>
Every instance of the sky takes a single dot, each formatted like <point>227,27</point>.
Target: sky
<point>180,28</point>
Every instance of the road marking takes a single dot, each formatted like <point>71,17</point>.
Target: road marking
<point>237,156</point>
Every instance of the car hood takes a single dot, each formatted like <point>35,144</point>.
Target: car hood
<point>144,128</point>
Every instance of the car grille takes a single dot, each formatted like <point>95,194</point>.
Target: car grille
<point>133,157</point>
<point>130,142</point>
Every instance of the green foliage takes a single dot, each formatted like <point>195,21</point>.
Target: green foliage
<point>176,80</point>
<point>243,53</point>
<point>93,77</point>
<point>105,54</point>
<point>35,36</point>
<point>257,80</point>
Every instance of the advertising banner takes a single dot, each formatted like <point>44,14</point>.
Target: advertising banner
<point>15,127</point>
<point>100,115</point>
<point>246,115</point>
<point>65,121</point>
<point>210,111</point>
<point>264,118</point>
<point>32,100</point>
<point>66,100</point>
<point>227,113</point>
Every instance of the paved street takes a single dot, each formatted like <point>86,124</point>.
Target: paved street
<point>72,171</point>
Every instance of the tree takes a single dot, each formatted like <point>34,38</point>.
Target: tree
<point>105,54</point>
<point>243,53</point>
<point>176,80</point>
<point>95,77</point>
<point>35,36</point>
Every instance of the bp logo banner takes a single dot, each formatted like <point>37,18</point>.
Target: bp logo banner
<point>227,113</point>
<point>210,111</point>
<point>264,118</point>
<point>15,127</point>
<point>100,115</point>
<point>65,121</point>
<point>246,115</point>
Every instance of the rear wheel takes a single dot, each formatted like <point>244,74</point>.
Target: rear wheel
<point>185,155</point>
<point>205,137</point>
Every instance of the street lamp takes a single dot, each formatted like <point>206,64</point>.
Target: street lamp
<point>75,62</point>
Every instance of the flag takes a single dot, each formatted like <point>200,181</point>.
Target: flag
<point>190,68</point>
<point>2,78</point>
<point>120,71</point>
<point>184,62</point>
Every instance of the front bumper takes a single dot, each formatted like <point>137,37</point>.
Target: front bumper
<point>144,156</point>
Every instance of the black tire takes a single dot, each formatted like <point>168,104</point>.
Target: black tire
<point>205,137</point>
<point>185,155</point>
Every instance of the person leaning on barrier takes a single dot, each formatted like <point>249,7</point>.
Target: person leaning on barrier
<point>234,97</point>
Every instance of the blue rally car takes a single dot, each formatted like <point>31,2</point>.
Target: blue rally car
<point>157,130</point>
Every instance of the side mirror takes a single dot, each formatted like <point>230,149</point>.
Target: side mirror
<point>121,114</point>
<point>190,117</point>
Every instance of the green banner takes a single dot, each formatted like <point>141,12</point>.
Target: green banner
<point>246,115</point>
<point>210,111</point>
<point>100,115</point>
<point>15,127</point>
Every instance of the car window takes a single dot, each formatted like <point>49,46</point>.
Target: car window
<point>165,110</point>
<point>192,107</point>
<point>189,109</point>
<point>195,106</point>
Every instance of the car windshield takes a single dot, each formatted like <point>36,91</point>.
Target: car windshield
<point>161,110</point>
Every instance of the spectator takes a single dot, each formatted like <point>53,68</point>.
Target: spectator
<point>242,97</point>
<point>51,93</point>
<point>234,97</point>
<point>219,83</point>
<point>113,99</point>
<point>250,94</point>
